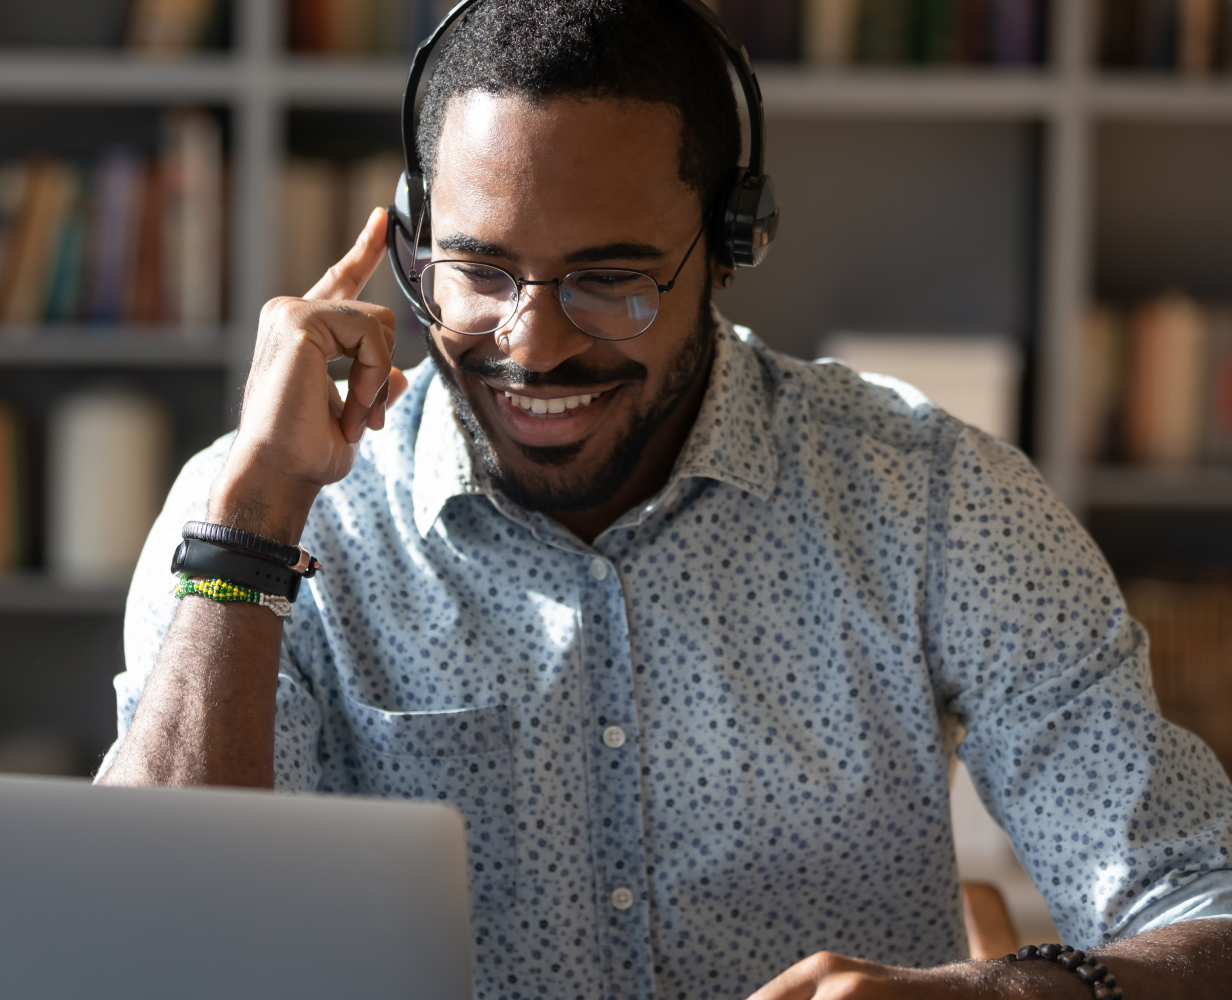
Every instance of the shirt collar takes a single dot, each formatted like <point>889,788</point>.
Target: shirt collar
<point>444,465</point>
<point>730,440</point>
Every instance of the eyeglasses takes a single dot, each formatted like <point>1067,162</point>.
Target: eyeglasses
<point>467,297</point>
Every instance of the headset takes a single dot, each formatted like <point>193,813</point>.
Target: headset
<point>745,216</point>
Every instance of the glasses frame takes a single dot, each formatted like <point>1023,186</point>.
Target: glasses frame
<point>395,223</point>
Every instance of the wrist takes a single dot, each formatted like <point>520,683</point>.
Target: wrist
<point>262,501</point>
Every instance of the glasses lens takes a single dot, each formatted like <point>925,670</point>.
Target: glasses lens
<point>468,298</point>
<point>610,304</point>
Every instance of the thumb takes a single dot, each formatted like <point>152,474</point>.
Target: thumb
<point>346,279</point>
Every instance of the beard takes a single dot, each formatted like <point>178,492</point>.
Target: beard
<point>559,490</point>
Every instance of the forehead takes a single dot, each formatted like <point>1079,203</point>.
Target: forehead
<point>554,165</point>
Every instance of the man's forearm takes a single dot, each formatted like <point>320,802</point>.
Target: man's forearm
<point>1191,960</point>
<point>1185,961</point>
<point>206,716</point>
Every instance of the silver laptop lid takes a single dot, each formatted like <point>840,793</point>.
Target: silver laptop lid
<point>136,893</point>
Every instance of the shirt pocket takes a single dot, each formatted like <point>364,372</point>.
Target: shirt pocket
<point>464,758</point>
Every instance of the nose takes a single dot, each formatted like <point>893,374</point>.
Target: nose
<point>540,336</point>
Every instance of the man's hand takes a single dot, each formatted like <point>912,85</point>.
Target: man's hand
<point>826,976</point>
<point>296,434</point>
<point>206,716</point>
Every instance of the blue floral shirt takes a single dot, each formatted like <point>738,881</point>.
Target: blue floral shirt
<point>716,740</point>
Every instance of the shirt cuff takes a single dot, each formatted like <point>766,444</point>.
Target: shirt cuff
<point>1209,895</point>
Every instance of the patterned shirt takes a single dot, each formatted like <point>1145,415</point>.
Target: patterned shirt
<point>717,739</point>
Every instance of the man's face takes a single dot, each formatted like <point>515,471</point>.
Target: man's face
<point>543,189</point>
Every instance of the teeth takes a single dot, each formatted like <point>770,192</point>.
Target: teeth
<point>558,405</point>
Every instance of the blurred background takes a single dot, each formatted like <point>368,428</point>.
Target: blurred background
<point>1023,207</point>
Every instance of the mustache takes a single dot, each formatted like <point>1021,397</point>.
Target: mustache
<point>569,373</point>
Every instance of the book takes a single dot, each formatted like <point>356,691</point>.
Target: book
<point>12,485</point>
<point>12,187</point>
<point>1017,32</point>
<point>975,378</point>
<point>1103,382</point>
<point>167,27</point>
<point>113,236</point>
<point>973,29</point>
<point>339,26</point>
<point>1197,36</point>
<point>192,231</point>
<point>32,243</point>
<point>370,184</point>
<point>828,32</point>
<point>935,34</point>
<point>107,474</point>
<point>884,31</point>
<point>63,286</point>
<point>311,199</point>
<point>768,28</point>
<point>144,285</point>
<point>1119,33</point>
<point>1165,390</point>
<point>1219,387</point>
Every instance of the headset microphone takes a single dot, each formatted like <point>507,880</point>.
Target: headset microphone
<point>745,219</point>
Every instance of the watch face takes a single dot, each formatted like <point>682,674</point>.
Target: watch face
<point>177,560</point>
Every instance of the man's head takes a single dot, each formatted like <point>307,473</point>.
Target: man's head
<point>563,135</point>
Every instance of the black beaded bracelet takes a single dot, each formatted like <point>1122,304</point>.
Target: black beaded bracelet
<point>294,556</point>
<point>1090,970</point>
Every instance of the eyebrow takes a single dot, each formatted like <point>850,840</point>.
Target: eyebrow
<point>625,250</point>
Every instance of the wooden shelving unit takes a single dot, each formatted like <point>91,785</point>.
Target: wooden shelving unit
<point>257,83</point>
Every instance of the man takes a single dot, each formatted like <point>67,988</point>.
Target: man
<point>681,625</point>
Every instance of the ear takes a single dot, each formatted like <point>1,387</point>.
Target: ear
<point>721,276</point>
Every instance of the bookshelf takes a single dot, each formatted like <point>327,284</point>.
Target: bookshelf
<point>1048,121</point>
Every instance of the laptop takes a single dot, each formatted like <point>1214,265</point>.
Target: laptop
<point>141,893</point>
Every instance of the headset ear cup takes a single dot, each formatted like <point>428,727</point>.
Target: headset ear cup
<point>410,202</point>
<point>750,220</point>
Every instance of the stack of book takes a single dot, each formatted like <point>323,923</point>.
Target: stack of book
<point>836,33</point>
<point>359,27</point>
<point>144,27</point>
<point>826,32</point>
<point>172,27</point>
<point>1192,36</point>
<point>1157,383</point>
<point>324,207</point>
<point>107,470</point>
<point>1190,625</point>
<point>125,238</point>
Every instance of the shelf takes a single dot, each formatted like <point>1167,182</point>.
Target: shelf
<point>103,77</point>
<point>36,593</point>
<point>1162,97</point>
<point>322,81</point>
<point>800,90</point>
<point>74,346</point>
<point>1125,487</point>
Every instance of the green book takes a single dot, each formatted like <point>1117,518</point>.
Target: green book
<point>884,32</point>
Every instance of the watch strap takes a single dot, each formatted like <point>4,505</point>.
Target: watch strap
<point>198,558</point>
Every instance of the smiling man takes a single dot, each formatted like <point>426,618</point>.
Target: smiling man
<point>687,629</point>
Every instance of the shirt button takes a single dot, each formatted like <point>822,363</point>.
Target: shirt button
<point>622,898</point>
<point>598,569</point>
<point>614,737</point>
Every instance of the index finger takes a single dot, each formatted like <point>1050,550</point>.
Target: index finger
<point>346,279</point>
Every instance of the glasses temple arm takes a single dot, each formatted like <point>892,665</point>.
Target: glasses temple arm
<point>688,253</point>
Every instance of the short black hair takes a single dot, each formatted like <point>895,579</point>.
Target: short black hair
<point>656,51</point>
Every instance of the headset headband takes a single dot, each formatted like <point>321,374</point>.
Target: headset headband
<point>735,52</point>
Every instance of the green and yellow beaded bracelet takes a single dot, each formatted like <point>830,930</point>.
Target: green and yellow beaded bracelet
<point>225,590</point>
